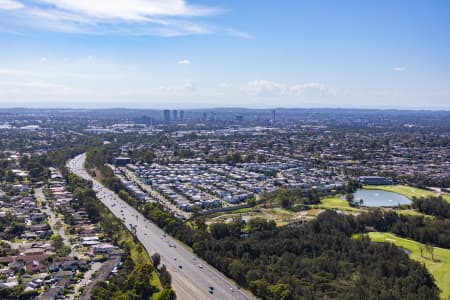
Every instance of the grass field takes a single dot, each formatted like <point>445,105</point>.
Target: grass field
<point>279,215</point>
<point>440,267</point>
<point>336,203</point>
<point>282,216</point>
<point>406,191</point>
<point>313,212</point>
<point>411,212</point>
<point>236,211</point>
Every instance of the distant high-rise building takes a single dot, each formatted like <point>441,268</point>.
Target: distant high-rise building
<point>205,116</point>
<point>181,115</point>
<point>239,118</point>
<point>147,120</point>
<point>274,116</point>
<point>175,115</point>
<point>166,115</point>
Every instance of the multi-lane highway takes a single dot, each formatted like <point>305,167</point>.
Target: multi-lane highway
<point>192,278</point>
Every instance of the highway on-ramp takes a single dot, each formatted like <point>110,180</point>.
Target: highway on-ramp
<point>192,278</point>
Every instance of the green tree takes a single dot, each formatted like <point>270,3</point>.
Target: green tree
<point>156,259</point>
<point>165,277</point>
<point>280,291</point>
<point>57,241</point>
<point>166,294</point>
<point>430,249</point>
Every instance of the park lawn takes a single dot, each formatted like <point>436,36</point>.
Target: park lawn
<point>230,212</point>
<point>407,191</point>
<point>439,268</point>
<point>279,215</point>
<point>336,203</point>
<point>242,210</point>
<point>314,212</point>
<point>411,212</point>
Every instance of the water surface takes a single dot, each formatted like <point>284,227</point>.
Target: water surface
<point>376,198</point>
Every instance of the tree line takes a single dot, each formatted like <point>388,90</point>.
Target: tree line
<point>435,206</point>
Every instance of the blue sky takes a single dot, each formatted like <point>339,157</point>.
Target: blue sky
<point>186,54</point>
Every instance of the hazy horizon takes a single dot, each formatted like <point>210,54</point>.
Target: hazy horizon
<point>80,107</point>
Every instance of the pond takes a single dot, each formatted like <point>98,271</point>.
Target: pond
<point>376,198</point>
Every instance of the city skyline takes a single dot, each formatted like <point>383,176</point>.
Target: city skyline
<point>207,54</point>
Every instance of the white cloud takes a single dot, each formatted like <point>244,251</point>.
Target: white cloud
<point>14,72</point>
<point>309,88</point>
<point>43,59</point>
<point>39,89</point>
<point>398,69</point>
<point>265,88</point>
<point>225,85</point>
<point>130,10</point>
<point>189,86</point>
<point>239,34</point>
<point>184,62</point>
<point>186,88</point>
<point>31,84</point>
<point>10,5</point>
<point>127,17</point>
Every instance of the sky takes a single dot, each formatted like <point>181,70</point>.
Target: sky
<point>236,53</point>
